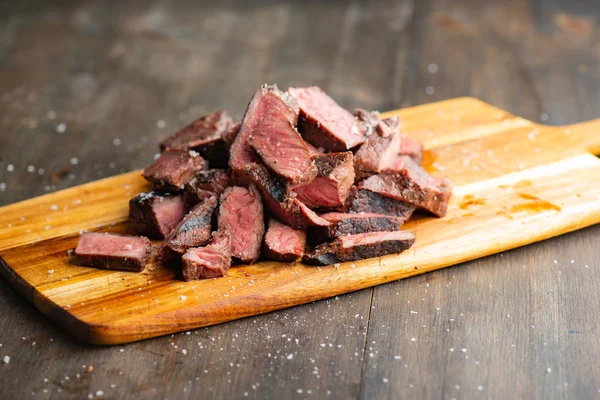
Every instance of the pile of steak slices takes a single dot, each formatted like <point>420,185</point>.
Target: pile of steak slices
<point>298,178</point>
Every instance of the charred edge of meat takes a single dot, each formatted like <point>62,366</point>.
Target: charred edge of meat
<point>193,231</point>
<point>281,202</point>
<point>334,179</point>
<point>352,224</point>
<point>155,214</point>
<point>206,184</point>
<point>414,185</point>
<point>366,201</point>
<point>360,247</point>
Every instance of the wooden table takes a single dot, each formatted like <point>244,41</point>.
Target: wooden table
<point>88,88</point>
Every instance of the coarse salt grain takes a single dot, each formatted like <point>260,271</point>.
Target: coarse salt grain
<point>385,380</point>
<point>290,356</point>
<point>182,297</point>
<point>160,124</point>
<point>6,360</point>
<point>61,128</point>
<point>30,168</point>
<point>50,271</point>
<point>116,141</point>
<point>10,168</point>
<point>74,161</point>
<point>99,393</point>
<point>433,68</point>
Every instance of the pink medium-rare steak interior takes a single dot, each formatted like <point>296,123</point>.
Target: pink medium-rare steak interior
<point>324,123</point>
<point>169,211</point>
<point>241,216</point>
<point>334,179</point>
<point>212,261</point>
<point>373,237</point>
<point>241,154</point>
<point>106,244</point>
<point>279,144</point>
<point>155,214</point>
<point>283,242</point>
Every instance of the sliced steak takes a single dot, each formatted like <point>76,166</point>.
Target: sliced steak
<point>212,261</point>
<point>412,184</point>
<point>351,224</point>
<point>241,216</point>
<point>173,169</point>
<point>279,144</point>
<point>155,214</point>
<point>204,136</point>
<point>267,103</point>
<point>280,201</point>
<point>283,243</point>
<point>330,187</point>
<point>110,251</point>
<point>369,202</point>
<point>206,184</point>
<point>381,152</point>
<point>359,247</point>
<point>324,123</point>
<point>193,231</point>
<point>199,132</point>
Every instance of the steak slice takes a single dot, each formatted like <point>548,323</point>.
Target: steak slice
<point>381,152</point>
<point>212,261</point>
<point>283,243</point>
<point>359,247</point>
<point>412,184</point>
<point>268,102</point>
<point>173,169</point>
<point>324,123</point>
<point>351,224</point>
<point>193,231</point>
<point>206,184</point>
<point>279,144</point>
<point>155,214</point>
<point>110,251</point>
<point>280,201</point>
<point>369,202</point>
<point>204,130</point>
<point>241,216</point>
<point>330,187</point>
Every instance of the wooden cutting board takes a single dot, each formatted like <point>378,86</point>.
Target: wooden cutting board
<point>516,183</point>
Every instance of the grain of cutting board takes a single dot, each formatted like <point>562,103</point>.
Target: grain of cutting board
<point>515,183</point>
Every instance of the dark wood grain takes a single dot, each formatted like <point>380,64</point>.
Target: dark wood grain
<point>114,70</point>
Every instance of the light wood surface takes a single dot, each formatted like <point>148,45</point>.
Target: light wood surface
<point>515,183</point>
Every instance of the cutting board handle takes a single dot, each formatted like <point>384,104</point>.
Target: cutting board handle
<point>587,134</point>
